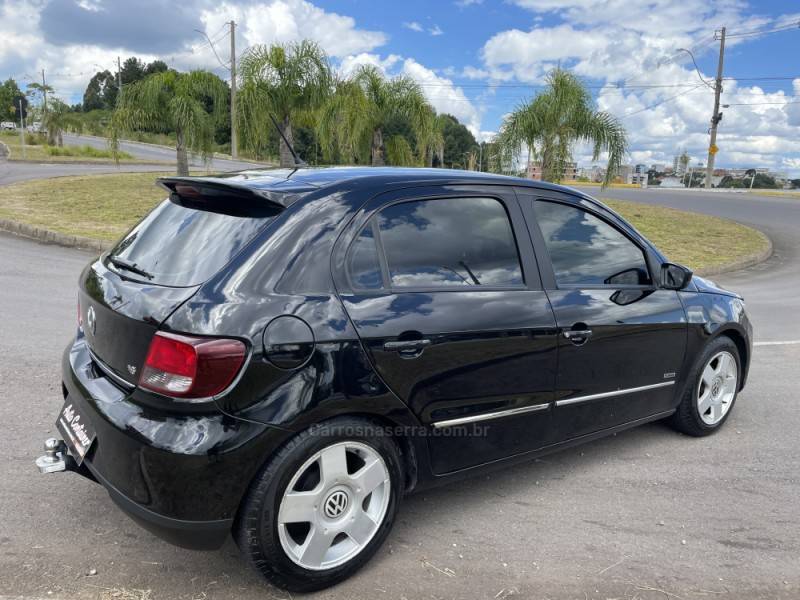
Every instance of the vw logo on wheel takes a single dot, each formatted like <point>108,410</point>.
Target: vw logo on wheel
<point>91,321</point>
<point>336,504</point>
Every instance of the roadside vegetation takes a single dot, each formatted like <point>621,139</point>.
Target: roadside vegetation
<point>550,124</point>
<point>104,207</point>
<point>37,148</point>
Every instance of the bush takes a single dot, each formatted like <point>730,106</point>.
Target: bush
<point>83,151</point>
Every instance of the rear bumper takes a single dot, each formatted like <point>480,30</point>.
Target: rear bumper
<point>195,535</point>
<point>180,476</point>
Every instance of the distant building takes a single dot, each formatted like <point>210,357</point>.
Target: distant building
<point>671,182</point>
<point>534,171</point>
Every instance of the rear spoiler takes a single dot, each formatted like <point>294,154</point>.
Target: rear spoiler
<point>207,190</point>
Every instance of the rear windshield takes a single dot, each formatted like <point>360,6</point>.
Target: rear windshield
<point>179,245</point>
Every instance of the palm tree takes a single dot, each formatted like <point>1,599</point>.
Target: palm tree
<point>356,115</point>
<point>172,101</point>
<point>284,81</point>
<point>433,142</point>
<point>552,122</point>
<point>58,118</point>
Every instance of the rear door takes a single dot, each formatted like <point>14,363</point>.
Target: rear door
<point>621,338</point>
<point>442,287</point>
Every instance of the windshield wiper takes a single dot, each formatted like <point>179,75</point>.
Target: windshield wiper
<point>469,271</point>
<point>128,266</point>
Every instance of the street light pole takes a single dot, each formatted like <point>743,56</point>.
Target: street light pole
<point>234,133</point>
<point>716,117</point>
<point>21,128</point>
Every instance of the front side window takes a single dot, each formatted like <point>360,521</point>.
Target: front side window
<point>450,242</point>
<point>585,250</point>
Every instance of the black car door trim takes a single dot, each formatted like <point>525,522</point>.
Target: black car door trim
<point>623,392</point>
<point>492,415</point>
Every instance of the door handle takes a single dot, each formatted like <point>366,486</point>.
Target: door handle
<point>578,336</point>
<point>406,345</point>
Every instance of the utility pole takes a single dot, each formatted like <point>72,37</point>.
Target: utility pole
<point>22,128</point>
<point>44,93</point>
<point>234,136</point>
<point>717,116</point>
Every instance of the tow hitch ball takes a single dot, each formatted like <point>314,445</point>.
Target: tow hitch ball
<point>54,457</point>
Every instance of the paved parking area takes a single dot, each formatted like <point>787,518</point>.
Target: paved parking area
<point>644,514</point>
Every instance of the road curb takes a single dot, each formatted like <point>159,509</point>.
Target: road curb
<point>46,236</point>
<point>108,163</point>
<point>743,262</point>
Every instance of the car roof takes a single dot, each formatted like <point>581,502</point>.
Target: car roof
<point>308,178</point>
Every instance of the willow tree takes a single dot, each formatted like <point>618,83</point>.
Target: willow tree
<point>172,101</point>
<point>285,81</point>
<point>562,115</point>
<point>355,117</point>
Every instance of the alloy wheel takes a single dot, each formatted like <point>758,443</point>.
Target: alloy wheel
<point>717,387</point>
<point>334,505</point>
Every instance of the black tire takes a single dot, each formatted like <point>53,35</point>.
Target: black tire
<point>256,529</point>
<point>687,417</point>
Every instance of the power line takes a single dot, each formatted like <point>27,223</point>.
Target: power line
<point>794,25</point>
<point>213,49</point>
<point>660,102</point>
<point>761,103</point>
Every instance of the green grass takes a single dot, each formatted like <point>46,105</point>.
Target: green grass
<point>106,206</point>
<point>102,207</point>
<point>695,240</point>
<point>37,149</point>
<point>85,151</point>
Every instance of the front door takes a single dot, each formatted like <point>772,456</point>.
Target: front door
<point>442,288</point>
<point>621,339</point>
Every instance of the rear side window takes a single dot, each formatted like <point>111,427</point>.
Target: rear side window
<point>585,250</point>
<point>362,262</point>
<point>179,245</point>
<point>451,242</point>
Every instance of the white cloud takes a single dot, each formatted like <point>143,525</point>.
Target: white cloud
<point>413,26</point>
<point>293,20</point>
<point>664,106</point>
<point>435,30</point>
<point>24,51</point>
<point>441,92</point>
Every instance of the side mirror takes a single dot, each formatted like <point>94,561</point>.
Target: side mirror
<point>675,277</point>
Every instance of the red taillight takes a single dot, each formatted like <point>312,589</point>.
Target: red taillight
<point>183,366</point>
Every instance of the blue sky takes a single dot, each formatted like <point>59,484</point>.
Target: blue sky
<point>476,59</point>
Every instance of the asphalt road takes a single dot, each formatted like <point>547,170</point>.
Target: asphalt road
<point>772,288</point>
<point>646,514</point>
<point>155,153</point>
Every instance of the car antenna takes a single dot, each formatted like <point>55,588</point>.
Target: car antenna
<point>298,162</point>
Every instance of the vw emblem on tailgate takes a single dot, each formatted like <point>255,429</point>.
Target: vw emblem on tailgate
<point>91,320</point>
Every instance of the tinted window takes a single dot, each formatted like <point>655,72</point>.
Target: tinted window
<point>362,262</point>
<point>449,242</point>
<point>586,250</point>
<point>182,246</point>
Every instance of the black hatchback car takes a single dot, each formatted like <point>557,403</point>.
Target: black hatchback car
<point>282,355</point>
